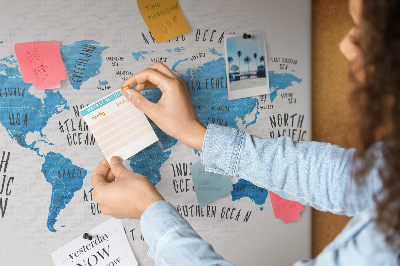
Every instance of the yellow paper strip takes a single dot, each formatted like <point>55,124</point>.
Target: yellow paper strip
<point>164,18</point>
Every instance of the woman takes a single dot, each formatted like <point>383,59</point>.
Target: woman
<point>362,182</point>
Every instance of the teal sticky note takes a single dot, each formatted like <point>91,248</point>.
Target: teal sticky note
<point>209,186</point>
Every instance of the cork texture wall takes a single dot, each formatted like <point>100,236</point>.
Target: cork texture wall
<point>331,89</point>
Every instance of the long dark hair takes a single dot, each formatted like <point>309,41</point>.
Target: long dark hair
<point>375,101</point>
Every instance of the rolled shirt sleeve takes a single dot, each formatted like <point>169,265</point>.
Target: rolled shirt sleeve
<point>171,239</point>
<point>312,173</point>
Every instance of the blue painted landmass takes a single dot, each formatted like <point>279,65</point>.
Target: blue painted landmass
<point>103,82</point>
<point>138,55</point>
<point>82,61</point>
<point>65,178</point>
<point>210,99</point>
<point>21,115</point>
<point>244,188</point>
<point>173,68</point>
<point>280,82</point>
<point>213,51</point>
<point>149,161</point>
<point>178,49</point>
<point>10,59</point>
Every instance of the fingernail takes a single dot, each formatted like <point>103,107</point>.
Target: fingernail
<point>115,160</point>
<point>128,94</point>
<point>124,88</point>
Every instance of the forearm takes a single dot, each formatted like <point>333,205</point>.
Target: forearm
<point>172,240</point>
<point>312,173</point>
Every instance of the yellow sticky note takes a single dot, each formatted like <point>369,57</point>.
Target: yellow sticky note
<point>164,18</point>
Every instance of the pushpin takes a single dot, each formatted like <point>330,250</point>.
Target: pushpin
<point>246,36</point>
<point>87,236</point>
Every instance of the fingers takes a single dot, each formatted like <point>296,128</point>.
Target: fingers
<point>160,80</point>
<point>143,86</point>
<point>118,169</point>
<point>140,102</point>
<point>110,177</point>
<point>100,174</point>
<point>160,67</point>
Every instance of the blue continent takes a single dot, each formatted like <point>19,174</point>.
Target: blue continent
<point>179,49</point>
<point>10,59</point>
<point>177,63</point>
<point>149,161</point>
<point>211,96</point>
<point>212,106</point>
<point>138,55</point>
<point>280,82</point>
<point>213,51</point>
<point>82,63</point>
<point>244,188</point>
<point>65,178</point>
<point>23,114</point>
<point>204,99</point>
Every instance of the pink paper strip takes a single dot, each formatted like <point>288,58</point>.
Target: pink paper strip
<point>41,63</point>
<point>288,211</point>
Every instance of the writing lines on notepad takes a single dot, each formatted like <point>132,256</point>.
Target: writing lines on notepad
<point>119,127</point>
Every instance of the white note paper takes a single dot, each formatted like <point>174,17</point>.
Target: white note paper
<point>119,127</point>
<point>108,247</point>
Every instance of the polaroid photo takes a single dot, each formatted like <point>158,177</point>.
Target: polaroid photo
<point>246,64</point>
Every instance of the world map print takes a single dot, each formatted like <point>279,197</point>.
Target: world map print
<point>208,92</point>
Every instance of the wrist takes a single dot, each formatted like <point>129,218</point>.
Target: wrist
<point>148,203</point>
<point>196,138</point>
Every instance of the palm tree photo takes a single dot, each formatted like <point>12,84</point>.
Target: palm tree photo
<point>239,53</point>
<point>255,60</point>
<point>250,51</point>
<point>262,59</point>
<point>230,59</point>
<point>247,60</point>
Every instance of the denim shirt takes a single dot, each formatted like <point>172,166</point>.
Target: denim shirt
<point>312,173</point>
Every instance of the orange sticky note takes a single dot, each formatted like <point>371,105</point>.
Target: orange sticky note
<point>41,63</point>
<point>288,211</point>
<point>164,18</point>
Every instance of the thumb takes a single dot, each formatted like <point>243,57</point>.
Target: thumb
<point>139,101</point>
<point>118,169</point>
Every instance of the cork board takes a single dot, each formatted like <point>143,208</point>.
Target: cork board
<point>331,89</point>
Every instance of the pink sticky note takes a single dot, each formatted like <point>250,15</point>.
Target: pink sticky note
<point>40,63</point>
<point>286,210</point>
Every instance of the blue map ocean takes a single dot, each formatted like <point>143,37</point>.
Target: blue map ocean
<point>23,113</point>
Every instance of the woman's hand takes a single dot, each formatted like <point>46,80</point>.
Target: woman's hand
<point>127,197</point>
<point>174,113</point>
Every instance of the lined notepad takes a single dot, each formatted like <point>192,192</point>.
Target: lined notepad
<point>119,127</point>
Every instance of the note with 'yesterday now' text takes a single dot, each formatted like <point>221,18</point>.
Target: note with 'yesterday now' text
<point>109,246</point>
